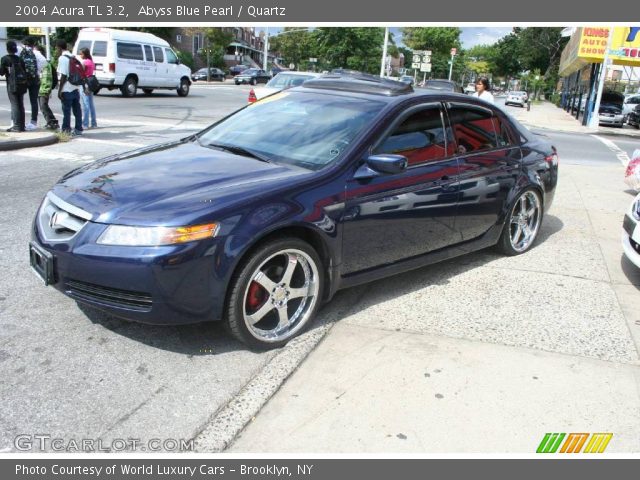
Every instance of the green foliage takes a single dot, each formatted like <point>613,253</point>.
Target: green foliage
<point>357,48</point>
<point>17,33</point>
<point>165,33</point>
<point>214,44</point>
<point>69,34</point>
<point>440,40</point>
<point>186,59</point>
<point>295,46</point>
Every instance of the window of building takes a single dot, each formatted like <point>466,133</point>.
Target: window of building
<point>179,38</point>
<point>197,44</point>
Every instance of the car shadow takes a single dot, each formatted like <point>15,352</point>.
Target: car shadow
<point>211,338</point>
<point>630,271</point>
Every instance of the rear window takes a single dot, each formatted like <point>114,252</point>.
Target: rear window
<point>99,49</point>
<point>129,51</point>
<point>474,128</point>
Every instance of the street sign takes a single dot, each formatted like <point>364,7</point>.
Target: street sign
<point>454,51</point>
<point>313,60</point>
<point>36,31</point>
<point>416,65</point>
<point>425,67</point>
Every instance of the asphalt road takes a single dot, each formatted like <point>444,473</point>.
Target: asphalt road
<point>75,374</point>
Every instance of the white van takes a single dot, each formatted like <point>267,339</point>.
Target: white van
<point>131,60</point>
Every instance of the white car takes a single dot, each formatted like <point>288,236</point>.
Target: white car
<point>631,232</point>
<point>470,89</point>
<point>629,104</point>
<point>516,98</point>
<point>280,82</point>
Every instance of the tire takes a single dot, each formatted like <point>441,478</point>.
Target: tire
<point>261,308</point>
<point>526,211</point>
<point>253,81</point>
<point>183,89</point>
<point>147,91</point>
<point>129,87</point>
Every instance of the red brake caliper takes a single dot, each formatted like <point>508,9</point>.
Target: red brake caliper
<point>256,296</point>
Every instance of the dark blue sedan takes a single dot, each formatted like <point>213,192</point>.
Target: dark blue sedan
<point>263,216</point>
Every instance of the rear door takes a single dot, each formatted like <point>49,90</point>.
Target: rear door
<point>489,159</point>
<point>394,217</point>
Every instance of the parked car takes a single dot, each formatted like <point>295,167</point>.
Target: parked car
<point>443,85</point>
<point>266,214</point>
<point>252,76</point>
<point>408,79</point>
<point>237,69</point>
<point>629,104</point>
<point>610,115</point>
<point>631,232</point>
<point>280,82</point>
<point>130,60</point>
<point>634,117</point>
<point>516,98</point>
<point>214,74</point>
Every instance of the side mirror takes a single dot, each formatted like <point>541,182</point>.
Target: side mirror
<point>382,164</point>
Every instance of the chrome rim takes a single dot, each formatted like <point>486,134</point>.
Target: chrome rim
<point>184,87</point>
<point>131,88</point>
<point>525,221</point>
<point>281,295</point>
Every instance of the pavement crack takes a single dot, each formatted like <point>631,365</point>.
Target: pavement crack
<point>129,414</point>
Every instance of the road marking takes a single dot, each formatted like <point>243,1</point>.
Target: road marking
<point>50,155</point>
<point>620,154</point>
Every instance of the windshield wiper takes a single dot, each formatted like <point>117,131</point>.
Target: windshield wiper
<point>240,151</point>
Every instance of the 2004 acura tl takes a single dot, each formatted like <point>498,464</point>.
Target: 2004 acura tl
<point>267,213</point>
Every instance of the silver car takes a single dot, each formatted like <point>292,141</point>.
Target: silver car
<point>516,98</point>
<point>611,115</point>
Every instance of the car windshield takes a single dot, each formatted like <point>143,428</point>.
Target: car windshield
<point>299,128</point>
<point>202,70</point>
<point>284,80</point>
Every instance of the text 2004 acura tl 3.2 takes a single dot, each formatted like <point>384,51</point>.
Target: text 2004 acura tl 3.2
<point>267,213</point>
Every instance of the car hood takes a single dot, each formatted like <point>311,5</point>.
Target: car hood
<point>178,183</point>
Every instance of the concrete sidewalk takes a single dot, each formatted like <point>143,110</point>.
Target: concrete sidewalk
<point>480,354</point>
<point>547,116</point>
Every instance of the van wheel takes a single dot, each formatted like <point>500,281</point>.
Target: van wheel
<point>183,89</point>
<point>147,91</point>
<point>130,87</point>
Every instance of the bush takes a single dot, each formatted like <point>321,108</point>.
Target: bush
<point>185,58</point>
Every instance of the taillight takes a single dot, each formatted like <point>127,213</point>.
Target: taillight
<point>112,68</point>
<point>252,96</point>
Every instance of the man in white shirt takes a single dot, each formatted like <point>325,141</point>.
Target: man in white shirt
<point>68,93</point>
<point>482,90</point>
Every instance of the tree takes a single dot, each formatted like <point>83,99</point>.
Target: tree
<point>295,46</point>
<point>440,40</point>
<point>214,44</point>
<point>357,48</point>
<point>165,33</point>
<point>540,47</point>
<point>506,57</point>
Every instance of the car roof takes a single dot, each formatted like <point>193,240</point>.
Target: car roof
<point>292,72</point>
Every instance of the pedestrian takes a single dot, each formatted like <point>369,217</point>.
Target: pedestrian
<point>12,67</point>
<point>88,107</point>
<point>48,82</point>
<point>71,79</point>
<point>482,90</point>
<point>33,64</point>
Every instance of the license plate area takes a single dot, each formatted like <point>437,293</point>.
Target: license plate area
<point>42,263</point>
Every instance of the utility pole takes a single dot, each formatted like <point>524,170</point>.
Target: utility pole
<point>384,52</point>
<point>453,54</point>
<point>594,120</point>
<point>266,49</point>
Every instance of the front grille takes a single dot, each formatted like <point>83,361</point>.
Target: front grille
<point>109,296</point>
<point>60,221</point>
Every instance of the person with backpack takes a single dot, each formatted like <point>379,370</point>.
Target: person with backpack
<point>32,65</point>
<point>88,106</point>
<point>12,67</point>
<point>48,82</point>
<point>71,80</point>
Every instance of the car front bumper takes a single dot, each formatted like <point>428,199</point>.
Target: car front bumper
<point>166,285</point>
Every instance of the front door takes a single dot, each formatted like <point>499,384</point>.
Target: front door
<point>394,217</point>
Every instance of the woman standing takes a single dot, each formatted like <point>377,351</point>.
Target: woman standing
<point>88,107</point>
<point>482,90</point>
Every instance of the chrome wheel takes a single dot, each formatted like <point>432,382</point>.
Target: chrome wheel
<point>281,295</point>
<point>525,221</point>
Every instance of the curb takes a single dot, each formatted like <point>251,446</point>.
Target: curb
<point>586,132</point>
<point>36,142</point>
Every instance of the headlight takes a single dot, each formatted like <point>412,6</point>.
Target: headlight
<point>155,236</point>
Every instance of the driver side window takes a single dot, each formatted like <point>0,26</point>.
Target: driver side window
<point>421,137</point>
